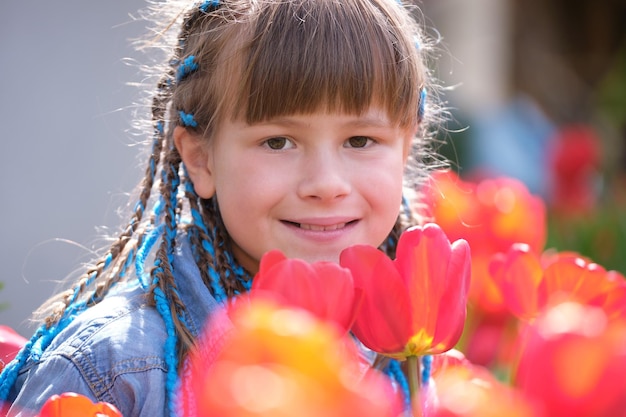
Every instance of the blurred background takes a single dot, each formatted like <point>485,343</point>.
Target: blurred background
<point>537,92</point>
<point>68,158</point>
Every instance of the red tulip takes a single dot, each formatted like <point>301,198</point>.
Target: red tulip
<point>530,283</point>
<point>10,344</point>
<point>75,405</point>
<point>573,362</point>
<point>323,288</point>
<point>518,272</point>
<point>574,278</point>
<point>415,305</point>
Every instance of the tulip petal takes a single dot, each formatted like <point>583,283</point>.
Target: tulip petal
<point>518,274</point>
<point>451,317</point>
<point>383,321</point>
<point>268,261</point>
<point>422,258</point>
<point>339,292</point>
<point>325,289</point>
<point>70,404</point>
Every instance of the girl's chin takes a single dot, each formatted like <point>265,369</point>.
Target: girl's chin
<point>315,257</point>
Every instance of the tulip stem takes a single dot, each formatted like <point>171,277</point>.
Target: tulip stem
<point>413,371</point>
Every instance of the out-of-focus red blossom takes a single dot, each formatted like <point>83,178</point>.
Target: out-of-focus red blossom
<point>70,404</point>
<point>460,389</point>
<point>282,362</point>
<point>492,341</point>
<point>574,361</point>
<point>491,214</point>
<point>416,304</point>
<point>574,157</point>
<point>10,344</point>
<point>531,283</point>
<point>323,288</point>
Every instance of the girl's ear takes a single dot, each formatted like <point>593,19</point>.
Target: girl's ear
<point>195,156</point>
<point>409,137</point>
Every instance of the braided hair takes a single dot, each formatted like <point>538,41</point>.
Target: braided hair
<point>237,40</point>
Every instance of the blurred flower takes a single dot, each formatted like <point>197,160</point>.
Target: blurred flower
<point>282,362</point>
<point>10,344</point>
<point>530,283</point>
<point>323,288</point>
<point>75,405</point>
<point>574,361</point>
<point>491,215</point>
<point>461,389</point>
<point>574,160</point>
<point>415,305</point>
<point>491,341</point>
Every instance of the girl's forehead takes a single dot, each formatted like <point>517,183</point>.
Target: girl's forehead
<point>372,114</point>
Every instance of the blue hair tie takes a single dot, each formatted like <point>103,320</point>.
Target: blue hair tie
<point>187,119</point>
<point>208,4</point>
<point>188,66</point>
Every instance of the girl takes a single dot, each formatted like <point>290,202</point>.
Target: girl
<point>278,124</point>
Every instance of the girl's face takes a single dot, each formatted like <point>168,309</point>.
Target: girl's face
<point>307,184</point>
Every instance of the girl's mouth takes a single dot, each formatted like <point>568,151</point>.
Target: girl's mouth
<point>319,227</point>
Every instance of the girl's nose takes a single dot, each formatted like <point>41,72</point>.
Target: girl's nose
<point>324,177</point>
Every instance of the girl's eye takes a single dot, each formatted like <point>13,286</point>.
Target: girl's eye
<point>359,141</point>
<point>278,143</point>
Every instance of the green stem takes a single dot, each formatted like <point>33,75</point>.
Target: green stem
<point>413,371</point>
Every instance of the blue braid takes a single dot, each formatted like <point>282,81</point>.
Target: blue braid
<point>394,371</point>
<point>216,286</point>
<point>171,358</point>
<point>49,334</point>
<point>142,253</point>
<point>161,301</point>
<point>187,119</point>
<point>10,371</point>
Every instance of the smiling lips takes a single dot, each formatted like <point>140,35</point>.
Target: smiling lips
<point>320,227</point>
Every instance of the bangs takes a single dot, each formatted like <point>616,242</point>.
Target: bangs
<point>339,56</point>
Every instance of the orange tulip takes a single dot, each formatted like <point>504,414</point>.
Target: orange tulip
<point>75,405</point>
<point>323,288</point>
<point>282,362</point>
<point>416,304</point>
<point>574,362</point>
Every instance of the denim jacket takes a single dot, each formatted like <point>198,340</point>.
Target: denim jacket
<point>113,351</point>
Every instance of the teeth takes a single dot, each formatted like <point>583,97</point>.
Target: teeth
<point>318,228</point>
